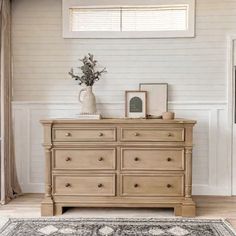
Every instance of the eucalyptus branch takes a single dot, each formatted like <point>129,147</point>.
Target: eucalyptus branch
<point>89,72</point>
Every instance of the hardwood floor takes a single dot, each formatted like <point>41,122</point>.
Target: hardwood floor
<point>28,205</point>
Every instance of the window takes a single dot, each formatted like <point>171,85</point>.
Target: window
<point>128,21</point>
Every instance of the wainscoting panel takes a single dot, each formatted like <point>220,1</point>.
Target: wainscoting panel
<point>211,164</point>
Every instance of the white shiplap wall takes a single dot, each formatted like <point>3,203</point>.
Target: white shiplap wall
<point>195,69</point>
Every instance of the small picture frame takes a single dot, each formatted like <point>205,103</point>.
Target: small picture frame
<point>135,104</point>
<point>157,98</point>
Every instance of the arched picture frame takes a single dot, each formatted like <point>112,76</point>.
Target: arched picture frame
<point>135,104</point>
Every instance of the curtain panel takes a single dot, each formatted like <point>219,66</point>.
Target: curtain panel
<point>9,184</point>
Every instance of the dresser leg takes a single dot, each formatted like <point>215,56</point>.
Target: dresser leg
<point>178,211</point>
<point>47,207</point>
<point>189,209</point>
<point>58,209</point>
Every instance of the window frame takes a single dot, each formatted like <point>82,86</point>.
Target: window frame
<point>68,4</point>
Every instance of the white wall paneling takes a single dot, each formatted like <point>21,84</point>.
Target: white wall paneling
<point>210,173</point>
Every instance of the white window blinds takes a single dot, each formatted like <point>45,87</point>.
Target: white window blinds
<point>154,19</point>
<point>171,18</point>
<point>92,19</point>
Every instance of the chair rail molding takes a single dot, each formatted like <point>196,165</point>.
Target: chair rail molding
<point>211,174</point>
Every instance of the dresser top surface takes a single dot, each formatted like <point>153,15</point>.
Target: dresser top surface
<point>116,121</point>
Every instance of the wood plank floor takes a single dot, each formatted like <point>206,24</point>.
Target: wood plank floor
<point>28,205</point>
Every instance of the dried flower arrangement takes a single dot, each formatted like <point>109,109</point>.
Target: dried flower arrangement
<point>89,72</point>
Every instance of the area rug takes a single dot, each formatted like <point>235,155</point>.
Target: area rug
<point>116,227</point>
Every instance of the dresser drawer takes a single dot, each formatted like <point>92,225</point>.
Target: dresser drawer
<point>152,159</point>
<point>152,185</point>
<point>84,159</point>
<point>152,134</point>
<point>89,185</point>
<point>84,134</point>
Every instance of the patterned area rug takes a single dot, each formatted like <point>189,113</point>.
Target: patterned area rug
<point>116,227</point>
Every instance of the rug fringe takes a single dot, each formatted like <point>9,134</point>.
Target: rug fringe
<point>228,224</point>
<point>3,221</point>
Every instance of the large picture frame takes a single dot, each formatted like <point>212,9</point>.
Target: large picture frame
<point>157,98</point>
<point>135,104</point>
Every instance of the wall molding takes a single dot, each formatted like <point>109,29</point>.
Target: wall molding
<point>26,121</point>
<point>217,103</point>
<point>230,108</point>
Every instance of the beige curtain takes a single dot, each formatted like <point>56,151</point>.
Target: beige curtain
<point>9,184</point>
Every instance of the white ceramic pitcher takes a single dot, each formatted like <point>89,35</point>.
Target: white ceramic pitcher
<point>88,102</point>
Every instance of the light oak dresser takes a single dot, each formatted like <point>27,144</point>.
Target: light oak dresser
<point>118,163</point>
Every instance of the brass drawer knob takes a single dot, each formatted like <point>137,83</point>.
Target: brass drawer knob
<point>136,159</point>
<point>170,134</point>
<point>169,159</point>
<point>68,134</point>
<point>100,134</point>
<point>68,185</point>
<point>100,185</point>
<point>136,185</point>
<point>136,134</point>
<point>68,159</point>
<point>168,186</point>
<point>100,159</point>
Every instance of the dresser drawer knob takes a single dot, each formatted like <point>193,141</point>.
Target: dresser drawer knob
<point>169,159</point>
<point>68,159</point>
<point>136,159</point>
<point>100,159</point>
<point>68,185</point>
<point>136,185</point>
<point>136,134</point>
<point>170,134</point>
<point>68,134</point>
<point>100,134</point>
<point>100,185</point>
<point>168,186</point>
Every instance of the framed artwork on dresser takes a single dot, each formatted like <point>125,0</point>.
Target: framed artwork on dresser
<point>135,104</point>
<point>157,98</point>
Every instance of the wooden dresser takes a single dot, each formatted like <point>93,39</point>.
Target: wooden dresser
<point>118,163</point>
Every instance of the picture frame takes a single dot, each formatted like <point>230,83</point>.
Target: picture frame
<point>135,104</point>
<point>157,98</point>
